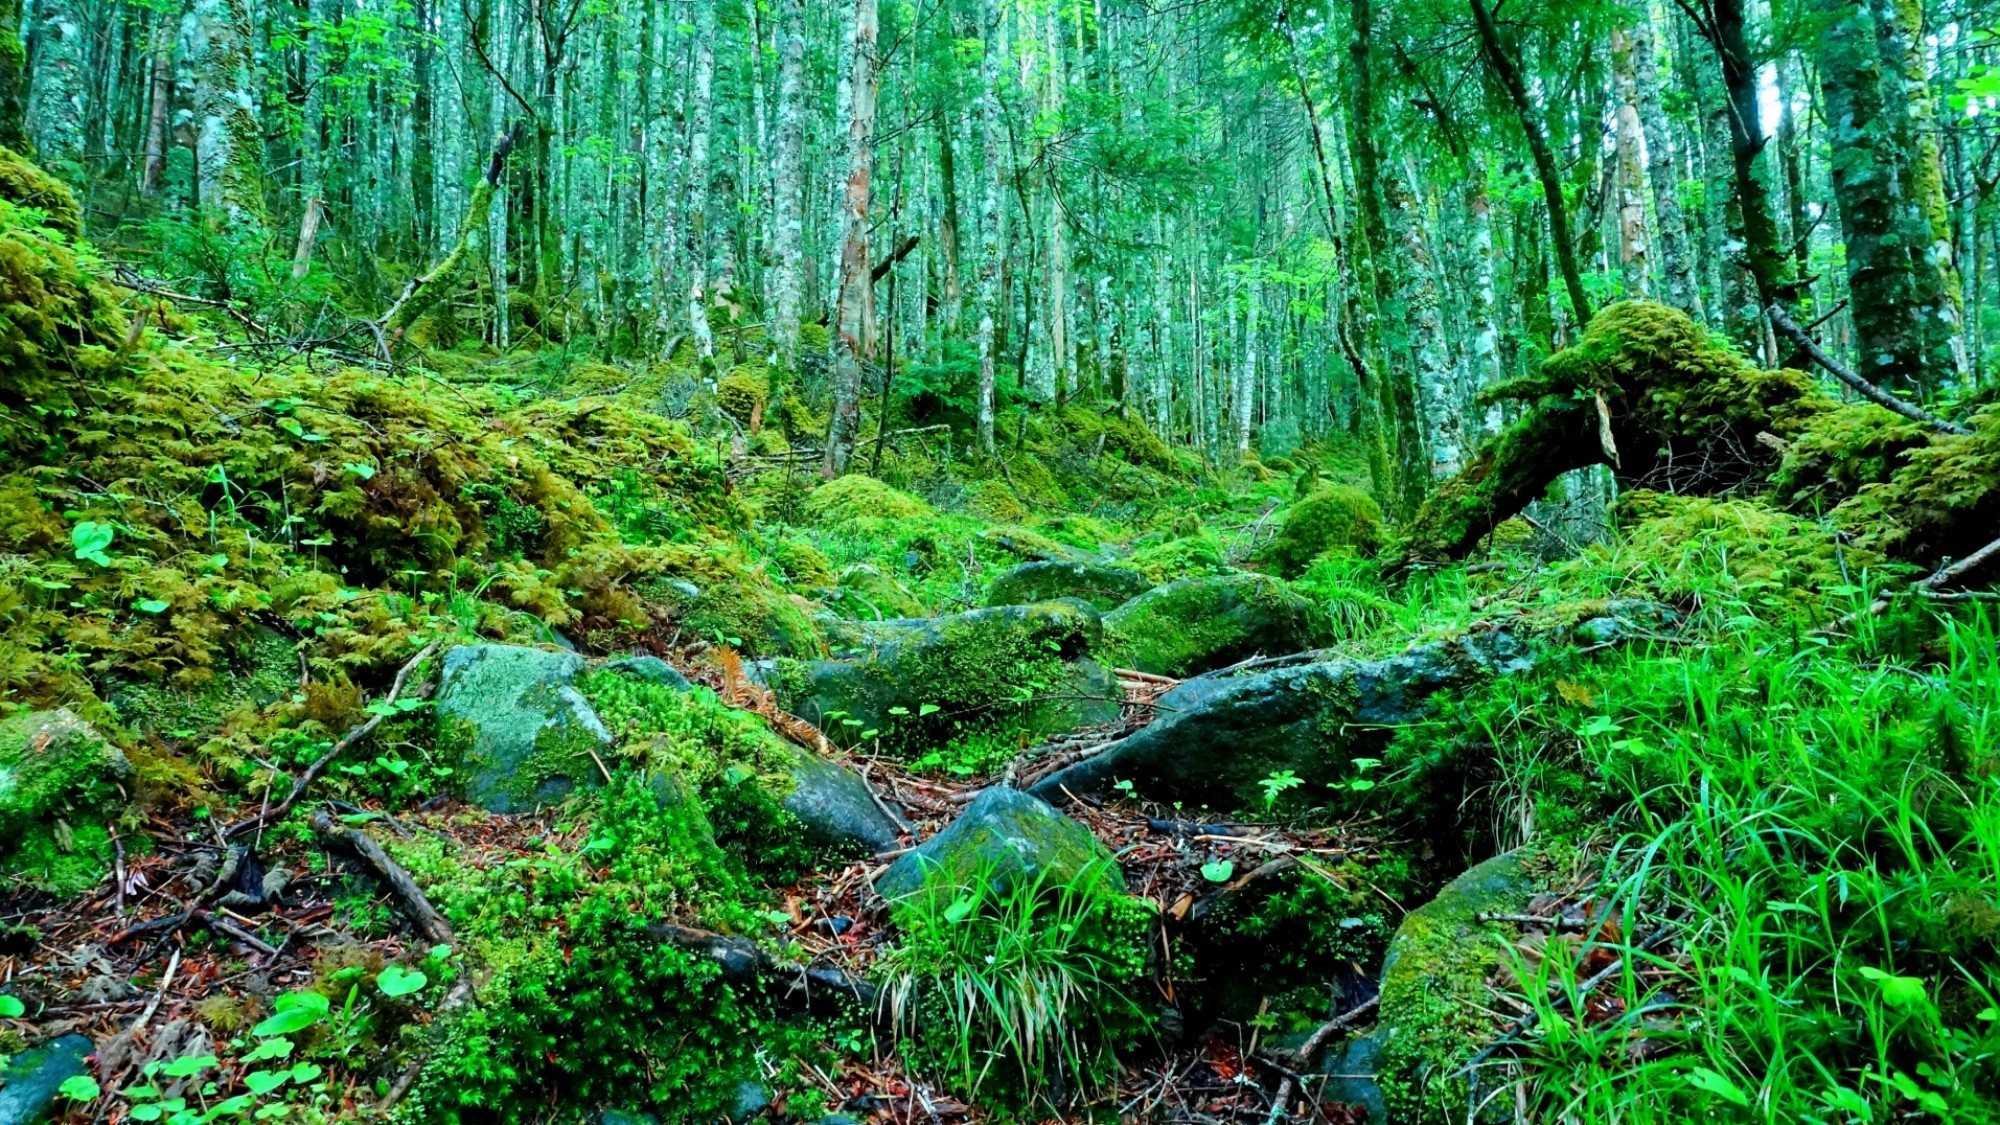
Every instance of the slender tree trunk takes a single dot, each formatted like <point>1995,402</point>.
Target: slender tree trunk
<point>1913,129</point>
<point>56,91</point>
<point>954,296</point>
<point>851,320</point>
<point>1437,392</point>
<point>1762,254</point>
<point>13,80</point>
<point>1634,246</point>
<point>1677,265</point>
<point>228,148</point>
<point>1485,368</point>
<point>788,232</point>
<point>992,181</point>
<point>702,111</point>
<point>160,95</point>
<point>1509,76</point>
<point>1245,393</point>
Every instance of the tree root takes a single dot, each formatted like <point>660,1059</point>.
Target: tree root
<point>408,895</point>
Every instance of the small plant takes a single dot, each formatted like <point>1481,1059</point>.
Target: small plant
<point>90,540</point>
<point>1277,784</point>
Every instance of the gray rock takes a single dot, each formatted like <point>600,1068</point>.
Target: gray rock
<point>752,1099</point>
<point>29,1081</point>
<point>1201,624</point>
<point>1025,666</point>
<point>1353,1067</point>
<point>1434,981</point>
<point>651,669</point>
<point>835,804</point>
<point>1219,736</point>
<point>523,733</point>
<point>1004,834</point>
<point>1101,586</point>
<point>60,783</point>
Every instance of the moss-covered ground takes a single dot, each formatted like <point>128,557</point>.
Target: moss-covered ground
<point>1759,817</point>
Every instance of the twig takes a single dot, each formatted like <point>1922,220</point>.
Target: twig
<point>1326,1031</point>
<point>1783,322</point>
<point>350,738</point>
<point>408,895</point>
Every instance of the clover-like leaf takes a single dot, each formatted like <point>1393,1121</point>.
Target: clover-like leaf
<point>399,981</point>
<point>1218,870</point>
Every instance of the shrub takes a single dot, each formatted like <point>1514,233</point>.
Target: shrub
<point>1335,517</point>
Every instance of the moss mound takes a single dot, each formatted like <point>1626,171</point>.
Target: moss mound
<point>855,497</point>
<point>1334,518</point>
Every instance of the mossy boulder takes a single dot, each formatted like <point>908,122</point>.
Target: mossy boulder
<point>1200,624</point>
<point>854,497</point>
<point>922,683</point>
<point>866,591</point>
<point>1003,836</point>
<point>1218,737</point>
<point>1101,586</point>
<point>523,734</point>
<point>61,785</point>
<point>1434,992</point>
<point>834,804</point>
<point>995,500</point>
<point>1336,517</point>
<point>30,1081</point>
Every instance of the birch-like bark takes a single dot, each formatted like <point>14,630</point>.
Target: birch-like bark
<point>1244,395</point>
<point>1437,391</point>
<point>1634,247</point>
<point>1679,287</point>
<point>55,94</point>
<point>989,219</point>
<point>787,205</point>
<point>1913,118</point>
<point>1484,350</point>
<point>229,142</point>
<point>851,314</point>
<point>702,111</point>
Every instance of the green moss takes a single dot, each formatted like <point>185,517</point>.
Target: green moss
<point>1334,518</point>
<point>61,788</point>
<point>995,500</point>
<point>1943,503</point>
<point>743,394</point>
<point>856,497</point>
<point>1183,556</point>
<point>1198,624</point>
<point>1841,451</point>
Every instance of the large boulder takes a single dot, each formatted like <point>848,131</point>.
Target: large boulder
<point>1004,835</point>
<point>1101,586</point>
<point>921,683</point>
<point>835,804</point>
<point>1434,990</point>
<point>523,734</point>
<point>31,1080</point>
<point>1201,624</point>
<point>61,785</point>
<point>1218,737</point>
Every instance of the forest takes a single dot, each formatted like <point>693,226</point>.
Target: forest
<point>945,562</point>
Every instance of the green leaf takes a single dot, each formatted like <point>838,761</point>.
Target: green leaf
<point>1218,870</point>
<point>276,1047</point>
<point>11,1008</point>
<point>261,1082</point>
<point>187,1066</point>
<point>146,1111</point>
<point>150,605</point>
<point>1898,992</point>
<point>1702,1078</point>
<point>899,710</point>
<point>305,1072</point>
<point>926,709</point>
<point>295,1012</point>
<point>91,539</point>
<point>399,981</point>
<point>80,1088</point>
<point>959,910</point>
<point>360,469</point>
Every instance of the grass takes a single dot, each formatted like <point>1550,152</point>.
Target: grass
<point>1026,992</point>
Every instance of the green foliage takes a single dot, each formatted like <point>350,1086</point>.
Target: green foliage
<point>1017,995</point>
<point>855,497</point>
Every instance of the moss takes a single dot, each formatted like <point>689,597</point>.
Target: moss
<point>1943,503</point>
<point>856,497</point>
<point>61,789</point>
<point>1335,517</point>
<point>865,593</point>
<point>995,500</point>
<point>1183,556</point>
<point>803,566</point>
<point>743,393</point>
<point>26,185</point>
<point>1199,624</point>
<point>1842,451</point>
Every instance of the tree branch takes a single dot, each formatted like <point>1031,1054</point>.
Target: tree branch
<point>1783,322</point>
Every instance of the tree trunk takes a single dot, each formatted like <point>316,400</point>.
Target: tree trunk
<point>228,146</point>
<point>1912,117</point>
<point>1762,254</point>
<point>851,316</point>
<point>787,206</point>
<point>13,80</point>
<point>954,298</point>
<point>1509,76</point>
<point>56,92</point>
<point>160,94</point>
<point>1880,266</point>
<point>1437,392</point>
<point>1676,259</point>
<point>702,111</point>
<point>1634,247</point>
<point>993,179</point>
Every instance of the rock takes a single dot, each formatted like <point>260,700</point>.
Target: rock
<point>523,733</point>
<point>60,786</point>
<point>1433,984</point>
<point>835,804</point>
<point>1101,586</point>
<point>1201,624</point>
<point>30,1080</point>
<point>1220,736</point>
<point>625,1117</point>
<point>1334,518</point>
<point>651,669</point>
<point>867,592</point>
<point>1352,1067</point>
<point>1013,668</point>
<point>1004,834</point>
<point>752,1099</point>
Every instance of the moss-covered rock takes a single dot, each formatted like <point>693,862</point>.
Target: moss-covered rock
<point>1182,556</point>
<point>1335,517</point>
<point>61,786</point>
<point>1004,835</point>
<point>522,733</point>
<point>1434,992</point>
<point>1200,624</point>
<point>855,497</point>
<point>1100,585</point>
<point>31,1081</point>
<point>995,500</point>
<point>921,684</point>
<point>866,591</point>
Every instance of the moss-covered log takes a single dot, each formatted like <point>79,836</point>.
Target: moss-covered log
<point>424,292</point>
<point>1646,391</point>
